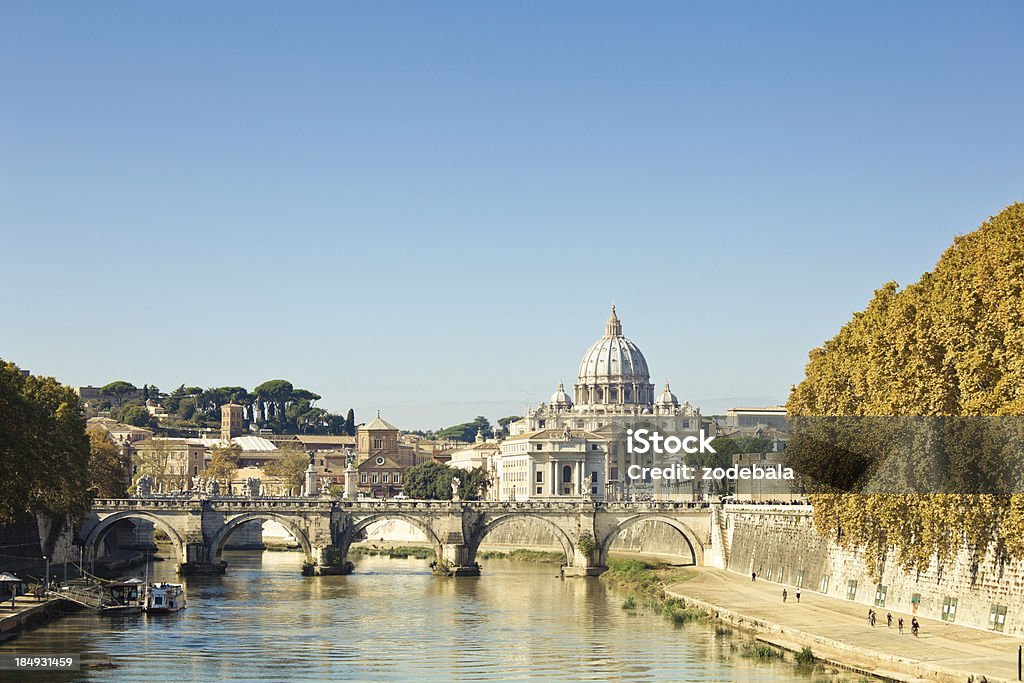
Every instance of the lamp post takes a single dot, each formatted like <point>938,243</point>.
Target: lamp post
<point>46,585</point>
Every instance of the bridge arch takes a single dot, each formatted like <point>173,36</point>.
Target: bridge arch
<point>293,526</point>
<point>361,523</point>
<point>559,533</point>
<point>696,547</point>
<point>107,523</point>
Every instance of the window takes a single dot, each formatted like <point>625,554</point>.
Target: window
<point>540,447</point>
<point>397,478</point>
<point>378,443</point>
<point>566,474</point>
<point>997,617</point>
<point>374,478</point>
<point>949,609</point>
<point>880,593</point>
<point>615,474</point>
<point>594,477</point>
<point>851,589</point>
<point>385,477</point>
<point>362,478</point>
<point>540,490</point>
<point>540,477</point>
<point>593,446</point>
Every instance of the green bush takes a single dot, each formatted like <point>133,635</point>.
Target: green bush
<point>805,657</point>
<point>760,651</point>
<point>629,604</point>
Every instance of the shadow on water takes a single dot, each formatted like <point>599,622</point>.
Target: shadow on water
<point>391,620</point>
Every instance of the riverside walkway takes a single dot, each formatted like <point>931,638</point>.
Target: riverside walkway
<point>837,630</point>
<point>27,610</point>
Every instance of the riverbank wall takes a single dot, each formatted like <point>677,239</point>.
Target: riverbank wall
<point>781,544</point>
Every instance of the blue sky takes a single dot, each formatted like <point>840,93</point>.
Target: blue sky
<point>427,208</point>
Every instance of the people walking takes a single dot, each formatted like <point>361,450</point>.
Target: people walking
<point>753,576</point>
<point>784,595</point>
<point>901,626</point>
<point>798,595</point>
<point>888,620</point>
<point>915,627</point>
<point>871,617</point>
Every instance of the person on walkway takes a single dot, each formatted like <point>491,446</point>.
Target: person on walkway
<point>914,627</point>
<point>871,617</point>
<point>901,626</point>
<point>784,595</point>
<point>753,576</point>
<point>798,595</point>
<point>888,619</point>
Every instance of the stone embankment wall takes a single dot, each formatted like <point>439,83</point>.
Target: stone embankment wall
<point>652,538</point>
<point>781,544</point>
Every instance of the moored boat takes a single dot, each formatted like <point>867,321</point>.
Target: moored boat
<point>163,598</point>
<point>123,597</point>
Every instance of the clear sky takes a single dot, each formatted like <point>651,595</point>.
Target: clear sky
<point>427,208</point>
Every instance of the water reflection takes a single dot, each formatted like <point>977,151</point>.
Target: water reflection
<point>392,621</point>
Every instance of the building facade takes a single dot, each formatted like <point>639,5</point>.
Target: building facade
<point>613,393</point>
<point>552,464</point>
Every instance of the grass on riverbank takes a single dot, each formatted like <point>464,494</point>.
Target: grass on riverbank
<point>760,651</point>
<point>400,552</point>
<point>647,581</point>
<point>523,555</point>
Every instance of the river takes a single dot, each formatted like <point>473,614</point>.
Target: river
<point>392,620</point>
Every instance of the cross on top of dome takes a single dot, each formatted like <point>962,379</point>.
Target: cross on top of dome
<point>613,328</point>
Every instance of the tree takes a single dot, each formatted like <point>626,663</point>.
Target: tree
<point>429,481</point>
<point>433,481</point>
<point>506,421</point>
<point>137,416</point>
<point>155,458</point>
<point>350,423</point>
<point>948,345</point>
<point>466,431</point>
<point>276,393</point>
<point>473,484</point>
<point>44,451</point>
<point>290,468</point>
<point>223,463</point>
<point>108,467</point>
<point>118,390</point>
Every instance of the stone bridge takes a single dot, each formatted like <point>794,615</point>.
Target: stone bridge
<point>325,528</point>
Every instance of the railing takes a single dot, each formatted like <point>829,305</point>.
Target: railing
<point>87,597</point>
<point>314,503</point>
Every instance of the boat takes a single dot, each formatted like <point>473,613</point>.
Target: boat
<point>163,598</point>
<point>123,597</point>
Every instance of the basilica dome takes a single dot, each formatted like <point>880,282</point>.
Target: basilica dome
<point>613,358</point>
<point>614,371</point>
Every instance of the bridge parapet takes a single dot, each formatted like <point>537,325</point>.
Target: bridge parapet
<point>326,527</point>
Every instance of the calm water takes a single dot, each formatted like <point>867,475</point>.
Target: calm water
<point>392,621</point>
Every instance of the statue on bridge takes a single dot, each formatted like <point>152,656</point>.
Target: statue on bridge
<point>325,487</point>
<point>144,486</point>
<point>456,483</point>
<point>251,487</point>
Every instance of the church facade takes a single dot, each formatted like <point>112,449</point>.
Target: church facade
<point>574,445</point>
